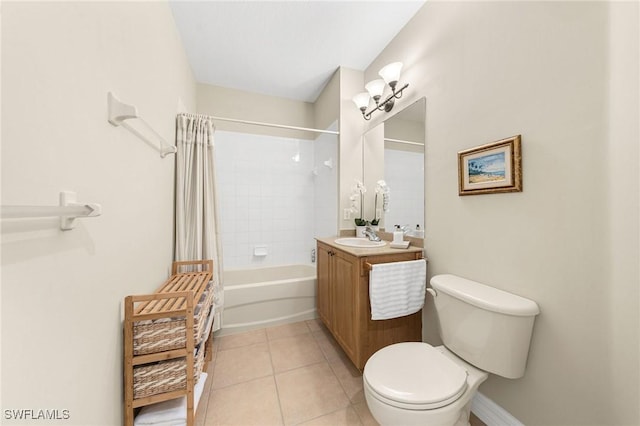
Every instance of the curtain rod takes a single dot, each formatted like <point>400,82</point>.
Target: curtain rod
<point>401,141</point>
<point>280,126</point>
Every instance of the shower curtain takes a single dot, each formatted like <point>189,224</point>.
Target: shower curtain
<point>196,229</point>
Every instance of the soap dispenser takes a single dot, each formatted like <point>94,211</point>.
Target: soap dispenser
<point>398,235</point>
<point>398,239</point>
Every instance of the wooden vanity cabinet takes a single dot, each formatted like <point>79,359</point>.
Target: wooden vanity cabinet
<point>343,303</point>
<point>343,298</point>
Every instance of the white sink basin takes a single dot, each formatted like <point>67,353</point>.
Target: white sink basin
<point>359,242</point>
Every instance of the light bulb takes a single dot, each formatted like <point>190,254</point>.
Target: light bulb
<point>391,73</point>
<point>375,88</point>
<point>361,100</point>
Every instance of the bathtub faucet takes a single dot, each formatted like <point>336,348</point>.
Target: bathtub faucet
<point>371,234</point>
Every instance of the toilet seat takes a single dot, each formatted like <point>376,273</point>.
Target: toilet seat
<point>422,378</point>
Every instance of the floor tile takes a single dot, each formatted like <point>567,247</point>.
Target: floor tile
<point>350,378</point>
<point>294,374</point>
<point>293,352</point>
<point>345,417</point>
<point>319,326</point>
<point>309,392</point>
<point>287,330</point>
<point>243,339</point>
<point>328,346</point>
<point>250,403</point>
<point>241,364</point>
<point>365,415</point>
<point>315,325</point>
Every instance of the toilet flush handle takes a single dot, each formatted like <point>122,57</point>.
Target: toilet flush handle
<point>432,292</point>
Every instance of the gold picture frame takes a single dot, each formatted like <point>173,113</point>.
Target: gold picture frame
<point>491,168</point>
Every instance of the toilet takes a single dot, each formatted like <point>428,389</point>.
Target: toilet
<point>483,329</point>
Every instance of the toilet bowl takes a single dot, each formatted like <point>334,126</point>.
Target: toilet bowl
<point>428,386</point>
<point>484,330</point>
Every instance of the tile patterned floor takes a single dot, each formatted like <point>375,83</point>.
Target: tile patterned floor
<point>293,374</point>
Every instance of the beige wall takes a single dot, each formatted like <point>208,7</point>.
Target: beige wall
<point>351,126</point>
<point>406,130</point>
<point>62,291</point>
<point>326,108</point>
<point>564,76</point>
<point>242,105</point>
<point>623,219</point>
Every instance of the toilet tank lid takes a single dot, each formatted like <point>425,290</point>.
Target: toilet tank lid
<point>484,296</point>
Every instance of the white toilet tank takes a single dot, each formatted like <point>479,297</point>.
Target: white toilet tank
<point>487,327</point>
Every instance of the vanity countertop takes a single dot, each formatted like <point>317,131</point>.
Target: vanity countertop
<point>369,251</point>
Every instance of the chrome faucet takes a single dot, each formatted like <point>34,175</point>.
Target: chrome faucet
<point>405,229</point>
<point>370,233</point>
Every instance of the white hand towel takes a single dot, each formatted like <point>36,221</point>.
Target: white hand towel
<point>397,289</point>
<point>172,412</point>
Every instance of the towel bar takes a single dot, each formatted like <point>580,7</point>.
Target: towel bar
<point>119,112</point>
<point>68,210</point>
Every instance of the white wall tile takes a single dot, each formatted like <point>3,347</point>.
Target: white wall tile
<point>267,198</point>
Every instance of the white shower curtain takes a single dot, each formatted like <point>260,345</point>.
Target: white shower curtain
<point>197,234</point>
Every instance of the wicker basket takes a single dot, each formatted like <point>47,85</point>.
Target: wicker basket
<point>165,376</point>
<point>169,333</point>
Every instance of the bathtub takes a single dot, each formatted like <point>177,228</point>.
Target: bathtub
<point>265,297</point>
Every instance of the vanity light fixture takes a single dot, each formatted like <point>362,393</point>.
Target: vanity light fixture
<point>390,76</point>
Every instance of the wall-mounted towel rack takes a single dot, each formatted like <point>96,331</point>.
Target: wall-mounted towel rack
<point>119,112</point>
<point>69,210</point>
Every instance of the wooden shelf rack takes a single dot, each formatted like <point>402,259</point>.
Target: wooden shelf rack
<point>173,311</point>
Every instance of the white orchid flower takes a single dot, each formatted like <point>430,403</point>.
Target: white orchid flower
<point>381,187</point>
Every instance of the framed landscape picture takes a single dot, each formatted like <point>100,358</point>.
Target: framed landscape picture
<point>491,168</point>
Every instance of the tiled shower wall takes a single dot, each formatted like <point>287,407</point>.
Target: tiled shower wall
<point>325,204</point>
<point>268,195</point>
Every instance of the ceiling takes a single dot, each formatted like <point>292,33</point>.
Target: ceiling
<point>288,49</point>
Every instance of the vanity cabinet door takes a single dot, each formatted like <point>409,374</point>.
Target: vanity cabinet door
<point>323,300</point>
<point>343,304</point>
<point>344,283</point>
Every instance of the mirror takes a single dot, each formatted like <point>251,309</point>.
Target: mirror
<point>393,151</point>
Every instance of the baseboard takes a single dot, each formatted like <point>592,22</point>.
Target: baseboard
<point>491,413</point>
